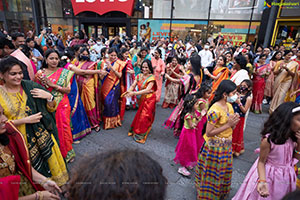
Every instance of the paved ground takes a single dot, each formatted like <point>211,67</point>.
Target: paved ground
<point>160,146</point>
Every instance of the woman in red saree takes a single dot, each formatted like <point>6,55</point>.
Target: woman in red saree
<point>220,73</point>
<point>172,92</point>
<point>17,176</point>
<point>58,81</point>
<point>89,89</point>
<point>111,89</point>
<point>142,123</point>
<point>260,72</point>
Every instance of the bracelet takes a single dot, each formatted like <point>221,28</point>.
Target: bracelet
<point>45,181</point>
<point>37,195</point>
<point>262,181</point>
<point>41,195</point>
<point>51,99</point>
<point>240,105</point>
<point>297,152</point>
<point>59,88</point>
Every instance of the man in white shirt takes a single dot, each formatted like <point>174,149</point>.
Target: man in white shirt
<point>190,48</point>
<point>206,56</point>
<point>97,47</point>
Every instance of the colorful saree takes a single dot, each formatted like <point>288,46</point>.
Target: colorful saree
<point>159,68</point>
<point>111,90</point>
<point>130,101</point>
<point>79,119</point>
<point>172,92</point>
<point>142,122</point>
<point>41,138</point>
<point>259,86</point>
<point>282,84</point>
<point>62,77</point>
<point>216,83</point>
<point>90,92</point>
<point>269,88</point>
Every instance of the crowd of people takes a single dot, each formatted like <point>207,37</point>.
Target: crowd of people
<point>56,90</point>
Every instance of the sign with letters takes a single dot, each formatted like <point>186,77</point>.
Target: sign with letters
<point>103,6</point>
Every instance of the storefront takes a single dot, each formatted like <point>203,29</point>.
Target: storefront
<point>287,25</point>
<point>237,19</point>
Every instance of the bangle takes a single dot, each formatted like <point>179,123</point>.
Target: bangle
<point>41,195</point>
<point>37,196</point>
<point>59,88</point>
<point>297,152</point>
<point>262,181</point>
<point>240,104</point>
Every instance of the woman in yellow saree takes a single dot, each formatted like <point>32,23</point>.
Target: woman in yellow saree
<point>25,104</point>
<point>284,72</point>
<point>111,89</point>
<point>220,73</point>
<point>89,89</point>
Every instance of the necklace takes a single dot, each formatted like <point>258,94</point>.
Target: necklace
<point>9,161</point>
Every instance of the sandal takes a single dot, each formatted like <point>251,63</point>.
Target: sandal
<point>183,171</point>
<point>98,128</point>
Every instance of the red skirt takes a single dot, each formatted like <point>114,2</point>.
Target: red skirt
<point>142,122</point>
<point>238,137</point>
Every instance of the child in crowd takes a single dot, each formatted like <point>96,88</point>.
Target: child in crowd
<point>214,168</point>
<point>241,106</point>
<point>186,149</point>
<point>272,176</point>
<point>203,94</point>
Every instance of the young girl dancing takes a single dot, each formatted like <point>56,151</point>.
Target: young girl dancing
<point>214,168</point>
<point>186,149</point>
<point>241,106</point>
<point>272,176</point>
<point>203,94</point>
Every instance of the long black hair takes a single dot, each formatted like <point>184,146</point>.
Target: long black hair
<point>279,124</point>
<point>226,86</point>
<point>241,60</point>
<point>47,54</point>
<point>202,90</point>
<point>149,65</point>
<point>189,102</point>
<point>122,51</point>
<point>275,54</point>
<point>196,64</point>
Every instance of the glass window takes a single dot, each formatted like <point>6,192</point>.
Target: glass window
<point>61,26</point>
<point>18,5</point>
<point>54,8</point>
<point>236,9</point>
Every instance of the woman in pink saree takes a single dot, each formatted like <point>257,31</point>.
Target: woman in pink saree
<point>159,71</point>
<point>57,81</point>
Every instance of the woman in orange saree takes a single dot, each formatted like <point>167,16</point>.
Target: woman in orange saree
<point>111,89</point>
<point>146,83</point>
<point>58,81</point>
<point>89,89</point>
<point>220,73</point>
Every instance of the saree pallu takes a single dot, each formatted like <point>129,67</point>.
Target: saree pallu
<point>216,83</point>
<point>90,93</point>
<point>282,84</point>
<point>142,123</point>
<point>159,67</point>
<point>110,96</point>
<point>41,138</point>
<point>214,170</point>
<point>172,92</point>
<point>79,119</point>
<point>126,81</point>
<point>238,138</point>
<point>62,78</point>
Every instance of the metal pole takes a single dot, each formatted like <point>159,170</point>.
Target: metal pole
<point>270,28</point>
<point>172,8</point>
<point>208,18</point>
<point>35,18</point>
<point>250,20</point>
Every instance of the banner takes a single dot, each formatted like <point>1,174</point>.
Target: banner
<point>234,39</point>
<point>161,28</point>
<point>103,6</point>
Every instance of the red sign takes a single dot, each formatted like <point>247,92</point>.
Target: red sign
<point>103,6</point>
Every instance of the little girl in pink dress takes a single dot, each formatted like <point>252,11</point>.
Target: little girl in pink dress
<point>272,176</point>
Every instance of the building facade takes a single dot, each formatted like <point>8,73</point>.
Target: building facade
<point>237,20</point>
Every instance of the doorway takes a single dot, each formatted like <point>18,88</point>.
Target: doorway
<point>108,30</point>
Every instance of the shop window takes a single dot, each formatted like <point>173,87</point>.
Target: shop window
<point>288,35</point>
<point>18,5</point>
